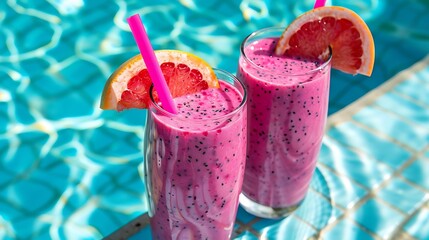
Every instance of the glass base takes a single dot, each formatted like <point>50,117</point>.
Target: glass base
<point>263,211</point>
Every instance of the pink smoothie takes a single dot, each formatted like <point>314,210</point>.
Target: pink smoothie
<point>286,120</point>
<point>197,162</point>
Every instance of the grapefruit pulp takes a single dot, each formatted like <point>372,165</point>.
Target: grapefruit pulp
<point>314,32</point>
<point>128,86</point>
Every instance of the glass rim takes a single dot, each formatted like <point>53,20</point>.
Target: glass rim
<point>279,29</point>
<point>239,108</point>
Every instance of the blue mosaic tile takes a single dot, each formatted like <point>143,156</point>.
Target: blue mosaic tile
<point>405,10</point>
<point>135,203</point>
<point>372,145</point>
<point>337,212</point>
<point>427,154</point>
<point>4,235</point>
<point>9,213</point>
<point>20,161</point>
<point>399,51</point>
<point>76,106</point>
<point>11,81</point>
<point>406,108</point>
<point>263,223</point>
<point>423,73</point>
<point>30,195</point>
<point>87,73</point>
<point>113,140</point>
<point>41,89</point>
<point>35,68</point>
<point>291,227</point>
<point>64,137</point>
<point>43,234</point>
<point>352,91</point>
<point>416,137</point>
<point>29,228</point>
<point>415,87</point>
<point>318,183</point>
<point>316,210</point>
<point>57,167</point>
<point>6,231</point>
<point>62,51</point>
<point>418,173</point>
<point>244,216</point>
<point>127,121</point>
<point>5,178</point>
<point>78,230</point>
<point>346,229</point>
<point>394,194</point>
<point>378,218</point>
<point>42,31</point>
<point>3,48</point>
<point>342,190</point>
<point>22,111</point>
<point>339,94</point>
<point>392,53</point>
<point>418,226</point>
<point>246,236</point>
<point>422,20</point>
<point>104,219</point>
<point>356,166</point>
<point>3,122</point>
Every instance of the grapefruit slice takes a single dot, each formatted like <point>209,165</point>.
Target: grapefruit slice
<point>341,29</point>
<point>128,86</point>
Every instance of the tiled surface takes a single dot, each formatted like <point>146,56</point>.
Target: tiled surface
<point>291,227</point>
<point>393,194</point>
<point>413,226</point>
<point>343,191</point>
<point>353,164</point>
<point>378,218</point>
<point>418,172</point>
<point>71,171</point>
<point>352,135</point>
<point>349,229</point>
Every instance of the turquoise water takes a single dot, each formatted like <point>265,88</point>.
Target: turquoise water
<point>71,171</point>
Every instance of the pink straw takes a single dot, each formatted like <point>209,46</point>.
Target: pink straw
<point>155,73</point>
<point>319,3</point>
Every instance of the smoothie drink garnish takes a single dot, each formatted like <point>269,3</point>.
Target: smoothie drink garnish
<point>287,74</point>
<point>287,112</point>
<point>195,149</point>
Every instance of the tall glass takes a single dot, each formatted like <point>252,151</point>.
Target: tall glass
<point>194,167</point>
<point>288,102</point>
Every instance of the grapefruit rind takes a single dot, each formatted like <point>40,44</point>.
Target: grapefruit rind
<point>338,13</point>
<point>117,82</point>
